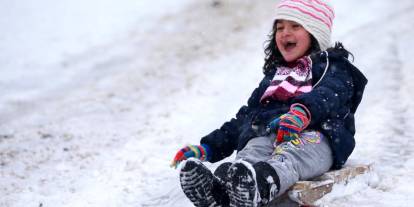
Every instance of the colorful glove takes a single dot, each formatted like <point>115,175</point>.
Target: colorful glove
<point>291,123</point>
<point>201,152</point>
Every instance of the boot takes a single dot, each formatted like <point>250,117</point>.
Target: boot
<point>201,186</point>
<point>242,185</point>
<point>219,187</point>
<point>267,181</point>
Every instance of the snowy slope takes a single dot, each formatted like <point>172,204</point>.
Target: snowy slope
<point>383,49</point>
<point>94,105</point>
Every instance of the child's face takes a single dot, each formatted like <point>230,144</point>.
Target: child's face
<point>292,40</point>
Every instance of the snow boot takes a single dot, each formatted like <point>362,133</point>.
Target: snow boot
<point>219,187</point>
<point>268,182</point>
<point>242,185</point>
<point>197,182</point>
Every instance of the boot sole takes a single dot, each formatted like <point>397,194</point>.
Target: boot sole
<point>196,181</point>
<point>242,187</point>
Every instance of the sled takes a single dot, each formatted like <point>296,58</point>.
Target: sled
<point>306,193</point>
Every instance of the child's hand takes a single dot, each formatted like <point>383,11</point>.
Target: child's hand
<point>291,123</point>
<point>273,125</point>
<point>197,151</point>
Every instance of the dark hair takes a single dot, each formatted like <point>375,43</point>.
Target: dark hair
<point>273,57</point>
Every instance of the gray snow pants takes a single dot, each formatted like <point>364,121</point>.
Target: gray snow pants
<point>300,159</point>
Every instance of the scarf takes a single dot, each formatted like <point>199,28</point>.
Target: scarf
<point>290,81</point>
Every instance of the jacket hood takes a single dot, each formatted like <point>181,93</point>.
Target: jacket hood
<point>339,53</point>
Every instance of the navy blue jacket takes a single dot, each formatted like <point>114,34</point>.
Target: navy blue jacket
<point>332,103</point>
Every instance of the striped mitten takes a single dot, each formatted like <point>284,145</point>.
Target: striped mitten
<point>292,123</point>
<point>201,152</point>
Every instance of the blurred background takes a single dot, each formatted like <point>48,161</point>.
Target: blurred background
<point>97,96</point>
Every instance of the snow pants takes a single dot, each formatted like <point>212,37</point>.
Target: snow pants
<point>300,159</point>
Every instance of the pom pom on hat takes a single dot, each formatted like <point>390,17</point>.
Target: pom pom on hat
<point>316,16</point>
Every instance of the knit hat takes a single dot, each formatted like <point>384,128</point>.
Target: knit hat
<point>316,16</point>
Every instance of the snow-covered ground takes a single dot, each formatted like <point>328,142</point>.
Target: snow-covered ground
<point>97,96</point>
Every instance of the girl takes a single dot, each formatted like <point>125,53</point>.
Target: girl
<point>297,124</point>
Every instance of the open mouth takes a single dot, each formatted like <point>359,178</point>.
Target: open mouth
<point>289,45</point>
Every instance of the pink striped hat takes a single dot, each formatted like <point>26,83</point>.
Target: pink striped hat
<point>316,16</point>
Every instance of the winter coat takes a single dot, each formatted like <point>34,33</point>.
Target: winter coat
<point>332,103</point>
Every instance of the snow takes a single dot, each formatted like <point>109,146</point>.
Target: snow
<point>97,96</point>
